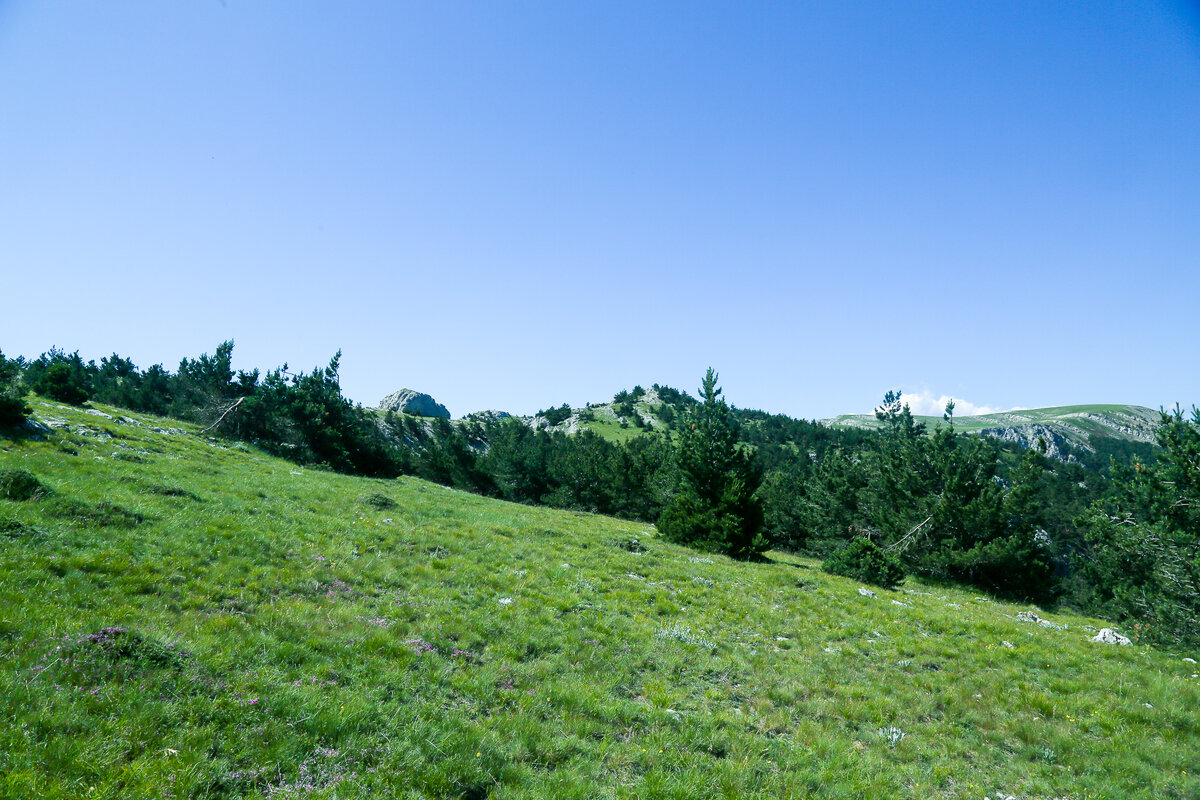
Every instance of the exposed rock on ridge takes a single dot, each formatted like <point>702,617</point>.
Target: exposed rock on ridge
<point>1030,436</point>
<point>407,401</point>
<point>487,416</point>
<point>1062,428</point>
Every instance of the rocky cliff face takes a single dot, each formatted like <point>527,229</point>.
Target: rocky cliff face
<point>407,401</point>
<point>1032,435</point>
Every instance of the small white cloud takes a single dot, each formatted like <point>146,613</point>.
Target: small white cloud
<point>923,403</point>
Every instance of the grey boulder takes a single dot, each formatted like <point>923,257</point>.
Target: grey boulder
<point>407,401</point>
<point>1109,636</point>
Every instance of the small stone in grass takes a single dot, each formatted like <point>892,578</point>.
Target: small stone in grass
<point>1109,636</point>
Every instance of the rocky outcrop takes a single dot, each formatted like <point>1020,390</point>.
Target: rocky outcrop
<point>486,417</point>
<point>407,401</point>
<point>1033,435</point>
<point>572,424</point>
<point>1137,424</point>
<point>1030,616</point>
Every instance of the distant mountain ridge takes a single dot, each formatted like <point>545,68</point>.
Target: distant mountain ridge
<point>1078,427</point>
<point>1060,428</point>
<point>1068,433</point>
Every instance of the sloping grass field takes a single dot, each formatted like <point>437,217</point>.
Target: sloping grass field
<point>184,617</point>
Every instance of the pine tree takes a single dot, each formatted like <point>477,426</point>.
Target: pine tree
<point>1142,559</point>
<point>13,408</point>
<point>715,508</point>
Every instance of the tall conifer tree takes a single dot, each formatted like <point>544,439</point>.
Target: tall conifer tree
<point>715,508</point>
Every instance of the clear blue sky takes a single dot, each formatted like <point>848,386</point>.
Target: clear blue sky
<point>516,205</point>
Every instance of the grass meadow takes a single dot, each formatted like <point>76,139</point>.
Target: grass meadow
<point>185,617</point>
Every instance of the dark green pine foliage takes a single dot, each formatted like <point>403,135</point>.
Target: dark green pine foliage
<point>938,503</point>
<point>558,415</point>
<point>714,508</point>
<point>115,381</point>
<point>516,461</point>
<point>1141,562</point>
<point>981,532</point>
<point>445,455</point>
<point>301,416</point>
<point>336,431</point>
<point>866,561</point>
<point>584,468</point>
<point>13,408</point>
<point>60,376</point>
<point>645,477</point>
<point>782,494</point>
<point>829,510</point>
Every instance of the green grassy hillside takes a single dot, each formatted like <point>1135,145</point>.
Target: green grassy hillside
<point>183,617</point>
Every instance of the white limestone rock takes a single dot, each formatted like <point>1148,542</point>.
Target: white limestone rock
<point>407,401</point>
<point>1109,636</point>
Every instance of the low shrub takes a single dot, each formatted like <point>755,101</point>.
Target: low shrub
<point>379,501</point>
<point>19,484</point>
<point>13,408</point>
<point>866,561</point>
<point>172,491</point>
<point>15,529</point>
<point>630,544</point>
<point>113,654</point>
<point>556,416</point>
<point>103,515</point>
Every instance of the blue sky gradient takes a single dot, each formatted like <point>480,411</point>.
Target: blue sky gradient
<point>516,205</point>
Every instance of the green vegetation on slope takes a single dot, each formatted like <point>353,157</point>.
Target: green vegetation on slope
<point>1007,513</point>
<point>183,617</point>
